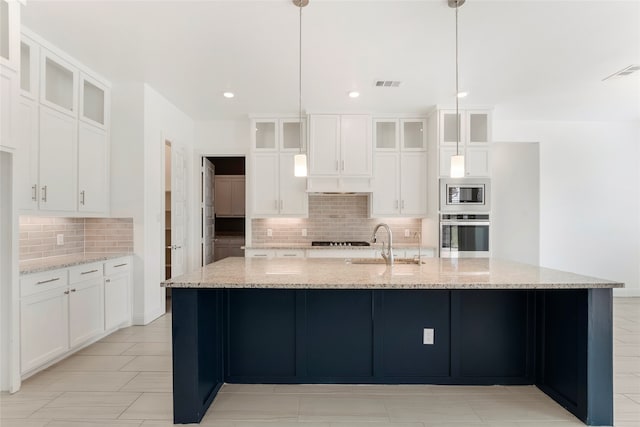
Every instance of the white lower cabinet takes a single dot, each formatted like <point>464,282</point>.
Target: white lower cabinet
<point>44,327</point>
<point>63,310</point>
<point>86,311</point>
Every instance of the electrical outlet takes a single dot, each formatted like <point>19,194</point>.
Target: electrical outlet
<point>407,233</point>
<point>269,232</point>
<point>428,336</point>
<point>304,232</point>
<point>60,239</point>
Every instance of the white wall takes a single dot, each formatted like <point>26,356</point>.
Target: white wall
<point>515,202</point>
<point>589,204</point>
<point>141,121</point>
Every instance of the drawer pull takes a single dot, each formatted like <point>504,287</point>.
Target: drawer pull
<point>73,290</point>
<point>120,265</point>
<point>108,281</point>
<point>42,282</point>
<point>89,272</point>
<point>260,255</point>
<point>66,292</point>
<point>289,254</point>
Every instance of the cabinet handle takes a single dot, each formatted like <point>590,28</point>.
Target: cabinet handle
<point>34,189</point>
<point>337,165</point>
<point>44,193</point>
<point>42,282</point>
<point>289,254</point>
<point>73,290</point>
<point>260,255</point>
<point>402,204</point>
<point>82,198</point>
<point>343,165</point>
<point>66,292</point>
<point>281,204</point>
<point>108,281</point>
<point>396,204</point>
<point>122,265</point>
<point>88,272</point>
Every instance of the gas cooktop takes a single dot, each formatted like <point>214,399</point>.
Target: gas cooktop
<point>339,244</point>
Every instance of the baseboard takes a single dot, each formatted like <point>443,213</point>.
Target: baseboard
<point>626,293</point>
<point>148,317</point>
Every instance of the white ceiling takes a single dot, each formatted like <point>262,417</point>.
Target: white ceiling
<point>531,59</point>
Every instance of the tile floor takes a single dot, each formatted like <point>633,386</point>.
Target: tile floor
<point>125,380</point>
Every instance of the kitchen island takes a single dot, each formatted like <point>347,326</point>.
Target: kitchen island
<point>446,321</point>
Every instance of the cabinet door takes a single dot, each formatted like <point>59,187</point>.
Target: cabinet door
<point>223,195</point>
<point>10,34</point>
<point>92,169</point>
<point>413,184</point>
<point>58,161</point>
<point>238,196</point>
<point>293,195</point>
<point>386,134</point>
<point>386,188</point>
<point>447,127</point>
<point>324,141</point>
<point>265,135</point>
<point>8,106</point>
<point>445,160</point>
<point>356,145</point>
<point>86,311</point>
<point>29,68</point>
<point>478,127</point>
<point>117,303</point>
<point>265,184</point>
<point>94,101</point>
<point>477,161</point>
<point>44,333</point>
<point>290,135</point>
<point>414,134</point>
<point>27,155</point>
<point>58,84</point>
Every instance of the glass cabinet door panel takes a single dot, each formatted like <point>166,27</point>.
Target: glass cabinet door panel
<point>59,84</point>
<point>478,128</point>
<point>449,128</point>
<point>265,135</point>
<point>92,102</point>
<point>25,67</point>
<point>291,136</point>
<point>413,136</point>
<point>386,135</point>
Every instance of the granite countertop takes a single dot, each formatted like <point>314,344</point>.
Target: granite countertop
<point>52,263</point>
<point>357,248</point>
<point>434,273</point>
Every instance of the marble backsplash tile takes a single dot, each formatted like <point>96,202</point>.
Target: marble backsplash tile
<point>332,217</point>
<point>38,236</point>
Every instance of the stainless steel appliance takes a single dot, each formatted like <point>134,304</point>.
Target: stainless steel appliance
<point>464,195</point>
<point>464,235</point>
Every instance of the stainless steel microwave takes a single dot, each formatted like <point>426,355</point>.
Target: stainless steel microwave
<point>464,195</point>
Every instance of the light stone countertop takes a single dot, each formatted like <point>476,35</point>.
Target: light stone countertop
<point>39,265</point>
<point>434,273</point>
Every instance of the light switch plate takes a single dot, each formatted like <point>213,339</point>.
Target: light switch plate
<point>304,232</point>
<point>60,239</point>
<point>269,232</point>
<point>428,335</point>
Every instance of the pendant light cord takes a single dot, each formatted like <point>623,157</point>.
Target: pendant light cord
<point>300,78</point>
<point>457,91</point>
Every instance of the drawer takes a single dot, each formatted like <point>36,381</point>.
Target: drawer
<point>84,272</point>
<point>290,253</point>
<point>39,282</point>
<point>116,266</point>
<point>259,253</point>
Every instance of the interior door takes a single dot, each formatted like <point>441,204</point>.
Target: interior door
<point>178,211</point>
<point>208,211</point>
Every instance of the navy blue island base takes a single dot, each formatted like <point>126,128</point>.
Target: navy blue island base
<point>557,339</point>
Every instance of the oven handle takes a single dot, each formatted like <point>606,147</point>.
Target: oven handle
<point>463,223</point>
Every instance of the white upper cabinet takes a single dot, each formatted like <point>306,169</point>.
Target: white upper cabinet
<point>58,83</point>
<point>275,191</point>
<point>92,169</point>
<point>59,161</point>
<point>27,158</point>
<point>94,101</point>
<point>29,68</point>
<point>340,145</point>
<point>9,94</point>
<point>400,181</point>
<point>10,34</point>
<point>474,136</point>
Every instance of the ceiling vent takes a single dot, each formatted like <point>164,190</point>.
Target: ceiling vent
<point>624,72</point>
<point>387,83</point>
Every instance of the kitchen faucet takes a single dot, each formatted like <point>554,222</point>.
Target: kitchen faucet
<point>387,254</point>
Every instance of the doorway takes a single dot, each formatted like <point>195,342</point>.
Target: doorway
<point>223,208</point>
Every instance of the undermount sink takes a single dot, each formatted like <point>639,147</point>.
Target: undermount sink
<point>381,261</point>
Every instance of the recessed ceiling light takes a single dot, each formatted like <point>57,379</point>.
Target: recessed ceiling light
<point>228,95</point>
<point>462,94</point>
<point>354,94</point>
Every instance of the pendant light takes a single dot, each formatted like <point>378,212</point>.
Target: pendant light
<point>457,162</point>
<point>300,159</point>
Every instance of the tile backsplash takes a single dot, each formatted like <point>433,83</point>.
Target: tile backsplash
<point>333,217</point>
<point>38,236</point>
